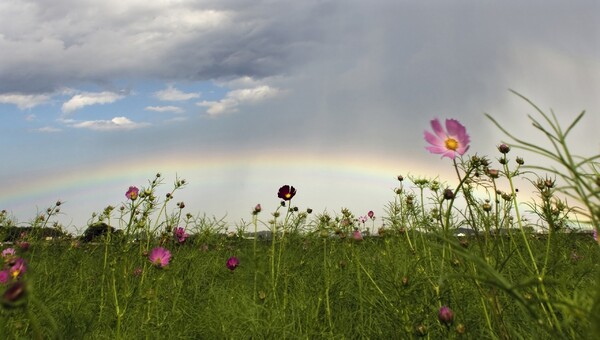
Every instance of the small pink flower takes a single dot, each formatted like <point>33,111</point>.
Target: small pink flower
<point>446,315</point>
<point>24,245</point>
<point>160,257</point>
<point>450,142</point>
<point>4,275</point>
<point>132,193</point>
<point>18,268</point>
<point>362,219</point>
<point>371,214</point>
<point>8,253</point>
<point>232,263</point>
<point>180,234</point>
<point>357,235</point>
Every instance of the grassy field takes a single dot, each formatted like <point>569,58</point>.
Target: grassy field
<point>462,260</point>
<point>322,287</point>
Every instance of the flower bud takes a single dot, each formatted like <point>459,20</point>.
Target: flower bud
<point>493,173</point>
<point>448,194</point>
<point>421,330</point>
<point>520,161</point>
<point>503,148</point>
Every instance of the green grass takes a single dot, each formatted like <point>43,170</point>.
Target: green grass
<point>324,288</point>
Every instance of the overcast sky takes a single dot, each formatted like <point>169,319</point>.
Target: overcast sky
<point>241,97</point>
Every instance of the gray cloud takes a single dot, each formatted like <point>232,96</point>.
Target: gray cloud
<point>65,43</point>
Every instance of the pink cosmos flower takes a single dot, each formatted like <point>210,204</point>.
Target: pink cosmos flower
<point>8,253</point>
<point>180,234</point>
<point>132,193</point>
<point>357,235</point>
<point>362,219</point>
<point>232,263</point>
<point>18,268</point>
<point>4,275</point>
<point>160,257</point>
<point>371,214</point>
<point>450,142</point>
<point>446,315</point>
<point>24,245</point>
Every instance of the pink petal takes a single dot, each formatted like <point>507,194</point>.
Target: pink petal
<point>461,151</point>
<point>436,149</point>
<point>437,128</point>
<point>455,128</point>
<point>450,154</point>
<point>433,139</point>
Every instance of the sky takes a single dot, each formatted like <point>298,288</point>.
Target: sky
<point>241,97</point>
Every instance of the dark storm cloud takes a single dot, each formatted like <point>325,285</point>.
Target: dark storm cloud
<point>51,45</point>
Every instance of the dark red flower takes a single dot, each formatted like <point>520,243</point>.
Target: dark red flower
<point>286,192</point>
<point>14,294</point>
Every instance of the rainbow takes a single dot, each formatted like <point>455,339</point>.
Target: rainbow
<point>218,181</point>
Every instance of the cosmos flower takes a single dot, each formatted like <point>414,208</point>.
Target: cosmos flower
<point>132,193</point>
<point>446,315</point>
<point>13,295</point>
<point>160,257</point>
<point>4,275</point>
<point>232,263</point>
<point>450,142</point>
<point>180,234</point>
<point>286,192</point>
<point>371,214</point>
<point>362,219</point>
<point>18,268</point>
<point>357,235</point>
<point>8,253</point>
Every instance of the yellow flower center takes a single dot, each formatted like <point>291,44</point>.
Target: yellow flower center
<point>288,195</point>
<point>451,144</point>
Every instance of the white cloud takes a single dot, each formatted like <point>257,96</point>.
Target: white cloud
<point>235,98</point>
<point>90,98</point>
<point>24,101</point>
<point>173,94</point>
<point>117,123</point>
<point>174,109</point>
<point>49,129</point>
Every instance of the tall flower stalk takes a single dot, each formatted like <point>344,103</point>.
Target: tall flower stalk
<point>577,175</point>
